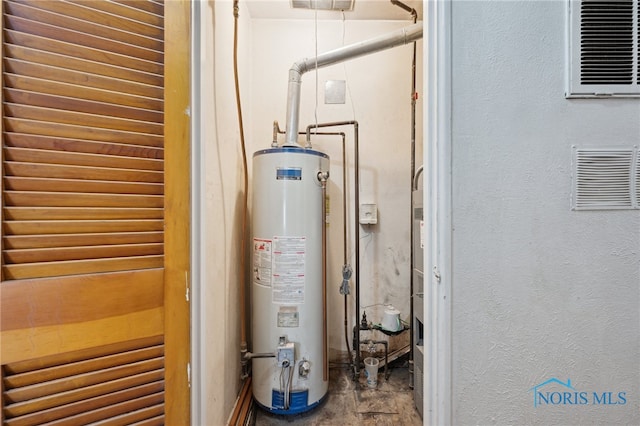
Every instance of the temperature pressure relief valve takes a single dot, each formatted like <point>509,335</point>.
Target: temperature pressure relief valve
<point>285,353</point>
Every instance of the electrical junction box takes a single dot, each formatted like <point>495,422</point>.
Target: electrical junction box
<point>285,354</point>
<point>368,214</point>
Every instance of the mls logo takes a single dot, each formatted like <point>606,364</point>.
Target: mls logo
<point>566,394</point>
<point>556,392</point>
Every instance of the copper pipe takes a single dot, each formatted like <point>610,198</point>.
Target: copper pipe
<point>323,176</point>
<point>276,131</point>
<point>344,214</point>
<point>243,235</point>
<point>356,149</point>
<point>344,233</point>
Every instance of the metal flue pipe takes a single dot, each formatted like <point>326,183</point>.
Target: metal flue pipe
<point>396,38</point>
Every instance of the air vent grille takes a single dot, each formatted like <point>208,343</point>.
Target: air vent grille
<point>607,45</point>
<point>605,179</point>
<point>637,182</point>
<point>604,48</point>
<point>343,5</point>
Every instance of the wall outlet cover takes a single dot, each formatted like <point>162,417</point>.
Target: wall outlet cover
<point>335,92</point>
<point>368,214</point>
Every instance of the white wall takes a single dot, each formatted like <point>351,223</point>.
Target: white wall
<point>379,98</point>
<point>216,298</point>
<point>539,291</point>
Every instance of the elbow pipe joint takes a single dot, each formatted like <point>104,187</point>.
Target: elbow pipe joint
<point>417,177</point>
<point>396,38</point>
<point>412,11</point>
<point>297,69</point>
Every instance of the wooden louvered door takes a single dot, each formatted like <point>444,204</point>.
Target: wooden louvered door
<point>89,216</point>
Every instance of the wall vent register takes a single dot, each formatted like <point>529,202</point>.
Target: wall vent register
<point>340,5</point>
<point>604,48</point>
<point>606,179</point>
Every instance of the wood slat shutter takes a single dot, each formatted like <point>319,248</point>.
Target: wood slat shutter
<point>83,137</point>
<point>123,381</point>
<point>89,208</point>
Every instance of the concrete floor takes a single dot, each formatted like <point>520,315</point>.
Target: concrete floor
<point>390,403</point>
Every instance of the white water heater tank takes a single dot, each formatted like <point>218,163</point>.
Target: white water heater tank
<point>287,296</point>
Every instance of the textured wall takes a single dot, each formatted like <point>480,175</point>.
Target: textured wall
<point>539,291</point>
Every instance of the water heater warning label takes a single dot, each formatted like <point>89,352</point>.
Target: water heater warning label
<point>287,279</point>
<point>288,317</point>
<point>262,261</point>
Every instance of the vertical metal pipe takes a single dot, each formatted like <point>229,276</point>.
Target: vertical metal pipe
<point>245,194</point>
<point>323,176</point>
<point>414,15</point>
<point>293,106</point>
<point>356,143</point>
<point>356,160</point>
<point>344,200</point>
<point>413,173</point>
<point>276,131</point>
<point>345,252</point>
<point>344,237</point>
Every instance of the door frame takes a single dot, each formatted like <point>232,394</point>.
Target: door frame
<point>438,300</point>
<point>177,283</point>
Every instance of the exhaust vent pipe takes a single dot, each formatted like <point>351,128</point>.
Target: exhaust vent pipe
<point>396,38</point>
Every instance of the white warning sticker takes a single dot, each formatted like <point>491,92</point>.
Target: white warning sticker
<point>262,261</point>
<point>288,317</point>
<point>288,270</point>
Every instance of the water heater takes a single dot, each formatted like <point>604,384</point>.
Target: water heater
<point>288,307</point>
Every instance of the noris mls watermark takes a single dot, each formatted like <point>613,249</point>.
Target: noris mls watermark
<point>556,392</point>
